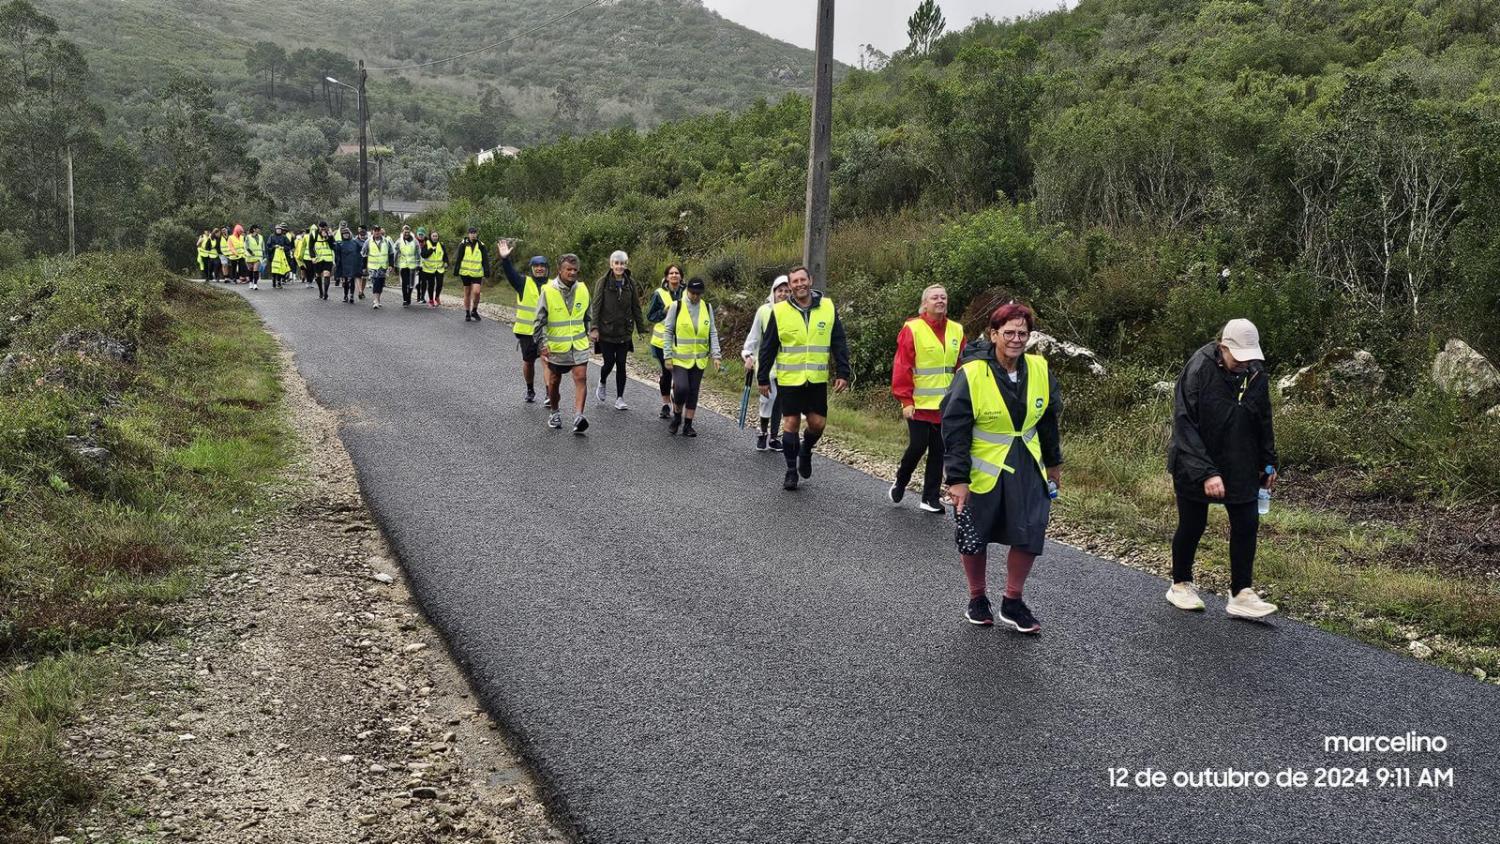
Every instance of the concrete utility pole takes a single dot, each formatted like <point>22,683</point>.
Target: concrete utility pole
<point>815,235</point>
<point>72,226</point>
<point>364,160</point>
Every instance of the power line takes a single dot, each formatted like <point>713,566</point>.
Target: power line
<point>515,37</point>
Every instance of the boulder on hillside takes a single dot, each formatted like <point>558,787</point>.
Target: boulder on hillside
<point>96,345</point>
<point>1458,370</point>
<point>1065,355</point>
<point>1338,376</point>
<point>1494,412</point>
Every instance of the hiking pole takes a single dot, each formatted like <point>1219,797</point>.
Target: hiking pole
<point>745,396</point>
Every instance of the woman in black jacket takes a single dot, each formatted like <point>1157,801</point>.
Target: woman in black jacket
<point>1223,450</point>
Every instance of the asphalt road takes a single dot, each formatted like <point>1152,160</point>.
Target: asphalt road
<point>686,653</point>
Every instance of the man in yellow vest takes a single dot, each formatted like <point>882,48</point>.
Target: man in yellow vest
<point>926,356</point>
<point>562,329</point>
<point>528,293</point>
<point>379,255</point>
<point>471,263</point>
<point>804,342</point>
<point>408,263</point>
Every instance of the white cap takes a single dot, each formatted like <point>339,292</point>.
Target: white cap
<point>1242,339</point>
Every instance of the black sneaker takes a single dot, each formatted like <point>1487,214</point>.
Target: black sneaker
<point>791,479</point>
<point>531,396</point>
<point>676,423</point>
<point>979,612</point>
<point>580,425</point>
<point>774,444</point>
<point>1013,611</point>
<point>760,442</point>
<point>687,429</point>
<point>897,491</point>
<point>476,315</point>
<point>666,411</point>
<point>468,316</point>
<point>804,463</point>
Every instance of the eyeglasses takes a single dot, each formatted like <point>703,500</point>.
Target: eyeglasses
<point>1015,335</point>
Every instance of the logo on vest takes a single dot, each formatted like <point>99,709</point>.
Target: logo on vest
<point>822,324</point>
<point>1038,403</point>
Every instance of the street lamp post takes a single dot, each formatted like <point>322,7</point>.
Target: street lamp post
<point>361,104</point>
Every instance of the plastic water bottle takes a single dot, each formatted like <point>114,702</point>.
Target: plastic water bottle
<point>1052,489</point>
<point>1263,497</point>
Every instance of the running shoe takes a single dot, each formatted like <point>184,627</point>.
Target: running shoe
<point>676,423</point>
<point>1184,596</point>
<point>931,506</point>
<point>1013,611</point>
<point>361,297</point>
<point>1247,604</point>
<point>666,411</point>
<point>620,404</point>
<point>599,394</point>
<point>468,316</point>
<point>896,492</point>
<point>254,286</point>
<point>687,429</point>
<point>804,463</point>
<point>376,306</point>
<point>979,612</point>
<point>774,444</point>
<point>531,396</point>
<point>791,479</point>
<point>476,314</point>
<point>555,420</point>
<point>580,424</point>
<point>760,442</point>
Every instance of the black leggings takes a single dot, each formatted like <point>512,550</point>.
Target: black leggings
<point>685,383</point>
<point>923,438</point>
<point>324,282</point>
<point>664,383</point>
<point>614,359</point>
<point>1192,519</point>
<point>408,275</point>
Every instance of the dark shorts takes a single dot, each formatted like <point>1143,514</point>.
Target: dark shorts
<point>322,267</point>
<point>530,351</point>
<point>468,280</point>
<point>803,399</point>
<point>563,368</point>
<point>377,280</point>
<point>237,267</point>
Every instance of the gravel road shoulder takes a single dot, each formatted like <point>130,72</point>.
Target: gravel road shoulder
<point>306,698</point>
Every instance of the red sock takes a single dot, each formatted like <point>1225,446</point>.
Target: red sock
<point>974,572</point>
<point>1017,566</point>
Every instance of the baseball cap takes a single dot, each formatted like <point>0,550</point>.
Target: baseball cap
<point>1242,338</point>
<point>473,230</point>
<point>421,231</point>
<point>696,284</point>
<point>539,259</point>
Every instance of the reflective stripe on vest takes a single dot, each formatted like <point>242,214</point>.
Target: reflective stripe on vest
<point>690,350</point>
<point>994,430</point>
<point>433,263</point>
<point>659,331</point>
<point>526,302</point>
<point>567,333</point>
<point>408,256</point>
<point>255,247</point>
<point>380,255</point>
<point>279,264</point>
<point>321,250</point>
<point>932,371</point>
<point>804,355</point>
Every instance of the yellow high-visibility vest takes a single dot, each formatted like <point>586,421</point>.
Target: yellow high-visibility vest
<point>806,345</point>
<point>994,431</point>
<point>433,264</point>
<point>659,331</point>
<point>526,302</point>
<point>691,350</point>
<point>379,256</point>
<point>565,327</point>
<point>408,254</point>
<point>471,259</point>
<point>235,249</point>
<point>255,247</point>
<point>936,359</point>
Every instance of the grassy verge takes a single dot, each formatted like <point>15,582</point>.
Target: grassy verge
<point>139,426</point>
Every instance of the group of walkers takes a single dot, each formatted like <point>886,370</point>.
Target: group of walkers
<point>983,413</point>
<point>354,260</point>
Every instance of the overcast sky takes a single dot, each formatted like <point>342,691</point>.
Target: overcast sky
<point>856,22</point>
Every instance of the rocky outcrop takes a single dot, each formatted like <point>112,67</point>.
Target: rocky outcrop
<point>1065,355</point>
<point>1338,376</point>
<point>1458,370</point>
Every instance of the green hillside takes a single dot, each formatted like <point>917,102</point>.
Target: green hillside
<point>624,62</point>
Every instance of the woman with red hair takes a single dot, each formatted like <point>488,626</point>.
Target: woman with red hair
<point>1002,453</point>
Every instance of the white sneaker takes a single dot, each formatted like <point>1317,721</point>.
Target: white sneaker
<point>620,404</point>
<point>599,394</point>
<point>376,305</point>
<point>555,420</point>
<point>1247,604</point>
<point>254,286</point>
<point>1184,596</point>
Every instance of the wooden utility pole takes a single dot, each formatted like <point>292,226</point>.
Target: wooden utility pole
<point>364,157</point>
<point>815,235</point>
<point>72,226</point>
